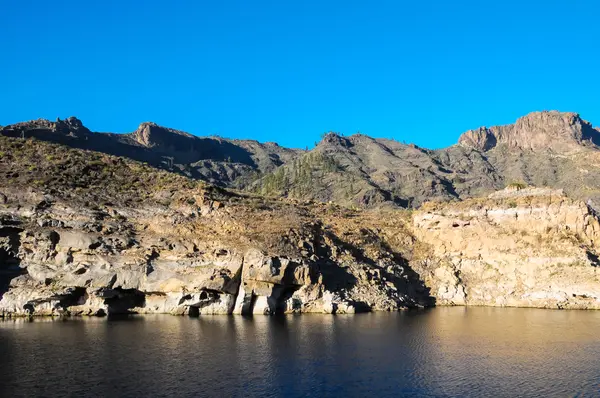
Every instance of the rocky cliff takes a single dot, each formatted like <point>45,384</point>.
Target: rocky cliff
<point>518,247</point>
<point>87,233</point>
<point>558,131</point>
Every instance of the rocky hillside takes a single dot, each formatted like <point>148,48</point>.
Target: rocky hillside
<point>544,149</point>
<point>83,232</point>
<point>87,233</point>
<point>233,163</point>
<point>362,171</point>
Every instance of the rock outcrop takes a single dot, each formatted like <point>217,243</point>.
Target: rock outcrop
<point>152,135</point>
<point>561,132</point>
<point>519,247</point>
<point>54,131</point>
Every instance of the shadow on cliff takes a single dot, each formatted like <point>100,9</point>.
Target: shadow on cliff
<point>407,281</point>
<point>9,262</point>
<point>593,258</point>
<point>124,301</point>
<point>590,134</point>
<point>414,284</point>
<point>335,277</point>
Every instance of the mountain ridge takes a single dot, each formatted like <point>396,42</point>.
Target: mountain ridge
<point>143,133</point>
<point>548,148</point>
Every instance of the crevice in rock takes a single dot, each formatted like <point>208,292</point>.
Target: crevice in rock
<point>123,301</point>
<point>594,259</point>
<point>460,282</point>
<point>238,278</point>
<point>60,302</point>
<point>285,293</point>
<point>9,260</point>
<point>194,312</point>
<point>75,297</point>
<point>150,259</point>
<point>206,298</point>
<point>185,298</point>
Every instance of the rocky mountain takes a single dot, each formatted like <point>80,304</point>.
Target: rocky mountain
<point>559,132</point>
<point>362,171</point>
<point>220,161</point>
<point>86,233</point>
<point>544,149</point>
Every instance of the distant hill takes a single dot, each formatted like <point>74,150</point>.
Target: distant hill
<point>543,149</point>
<point>217,160</point>
<point>552,149</point>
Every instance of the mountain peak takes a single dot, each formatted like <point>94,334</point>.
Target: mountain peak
<point>557,131</point>
<point>70,123</point>
<point>150,134</point>
<point>69,127</point>
<point>333,139</point>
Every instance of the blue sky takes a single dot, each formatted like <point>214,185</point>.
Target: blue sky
<point>287,71</point>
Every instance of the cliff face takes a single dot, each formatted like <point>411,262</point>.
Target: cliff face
<point>207,257</point>
<point>524,248</point>
<point>561,132</point>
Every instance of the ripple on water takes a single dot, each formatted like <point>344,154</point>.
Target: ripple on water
<point>440,352</point>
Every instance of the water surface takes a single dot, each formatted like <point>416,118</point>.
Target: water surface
<point>439,352</point>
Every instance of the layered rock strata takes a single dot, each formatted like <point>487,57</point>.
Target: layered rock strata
<point>519,248</point>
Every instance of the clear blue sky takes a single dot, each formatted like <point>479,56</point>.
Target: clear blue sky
<point>286,71</point>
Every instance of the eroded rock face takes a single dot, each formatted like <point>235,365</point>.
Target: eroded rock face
<point>195,259</point>
<point>560,131</point>
<point>518,247</point>
<point>525,248</point>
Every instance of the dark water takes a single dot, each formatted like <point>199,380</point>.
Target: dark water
<point>442,352</point>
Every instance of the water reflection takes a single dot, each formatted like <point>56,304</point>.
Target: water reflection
<point>539,352</point>
<point>441,352</point>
